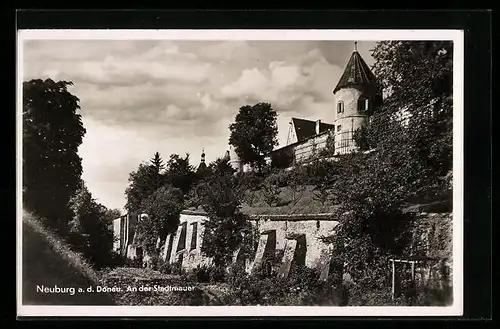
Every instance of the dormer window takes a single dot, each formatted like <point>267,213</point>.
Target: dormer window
<point>340,107</point>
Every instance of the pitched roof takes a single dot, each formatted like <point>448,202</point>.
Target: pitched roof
<point>307,128</point>
<point>356,73</point>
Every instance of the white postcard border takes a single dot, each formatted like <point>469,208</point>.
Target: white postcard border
<point>456,309</point>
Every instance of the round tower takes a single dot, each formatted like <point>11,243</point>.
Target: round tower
<point>356,97</point>
<point>234,160</point>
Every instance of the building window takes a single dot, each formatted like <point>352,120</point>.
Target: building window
<point>339,128</point>
<point>340,107</point>
<point>363,104</point>
<point>194,236</point>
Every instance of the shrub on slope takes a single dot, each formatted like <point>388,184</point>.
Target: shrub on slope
<point>48,261</point>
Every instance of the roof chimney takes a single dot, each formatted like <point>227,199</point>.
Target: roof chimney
<point>318,124</point>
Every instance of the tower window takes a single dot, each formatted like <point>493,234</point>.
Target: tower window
<point>363,104</point>
<point>339,127</point>
<point>340,107</point>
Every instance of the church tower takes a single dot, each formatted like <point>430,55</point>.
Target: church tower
<point>357,95</point>
<point>202,170</point>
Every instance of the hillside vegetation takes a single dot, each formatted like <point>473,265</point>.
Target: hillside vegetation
<point>49,261</point>
<point>288,202</point>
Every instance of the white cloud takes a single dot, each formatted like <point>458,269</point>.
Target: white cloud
<point>139,97</point>
<point>239,51</point>
<point>288,84</point>
<point>109,153</point>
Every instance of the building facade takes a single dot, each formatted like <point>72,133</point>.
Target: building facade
<point>357,95</point>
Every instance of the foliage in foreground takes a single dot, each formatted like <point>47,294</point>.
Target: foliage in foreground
<point>90,231</point>
<point>48,260</point>
<point>52,133</point>
<point>163,208</point>
<point>227,226</point>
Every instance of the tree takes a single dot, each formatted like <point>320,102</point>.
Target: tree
<point>221,167</point>
<point>254,133</point>
<point>90,231</point>
<point>361,138</point>
<point>180,173</point>
<point>156,167</point>
<point>112,214</point>
<point>144,181</point>
<point>411,138</point>
<point>226,227</point>
<point>281,160</point>
<point>271,190</point>
<point>163,208</point>
<point>140,187</point>
<point>418,76</point>
<point>52,133</point>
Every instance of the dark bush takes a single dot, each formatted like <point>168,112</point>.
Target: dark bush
<point>164,267</point>
<point>280,178</point>
<point>217,274</point>
<point>235,274</point>
<point>176,269</point>
<point>300,288</point>
<point>250,180</point>
<point>271,193</point>
<point>136,262</point>
<point>281,160</point>
<point>202,273</point>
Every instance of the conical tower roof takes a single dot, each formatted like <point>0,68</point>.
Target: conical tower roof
<point>356,74</point>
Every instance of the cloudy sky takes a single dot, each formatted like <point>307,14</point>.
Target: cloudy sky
<point>139,97</point>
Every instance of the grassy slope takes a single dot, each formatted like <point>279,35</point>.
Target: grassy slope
<point>306,204</point>
<point>49,261</point>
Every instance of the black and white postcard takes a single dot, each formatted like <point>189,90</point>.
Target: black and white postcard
<point>245,172</point>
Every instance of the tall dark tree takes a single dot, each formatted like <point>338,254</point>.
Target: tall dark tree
<point>221,167</point>
<point>156,167</point>
<point>254,133</point>
<point>163,208</point>
<point>418,77</point>
<point>225,230</point>
<point>52,133</point>
<point>140,187</point>
<point>112,214</point>
<point>180,173</point>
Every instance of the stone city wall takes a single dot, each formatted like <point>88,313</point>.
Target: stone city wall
<point>291,238</point>
<point>294,237</point>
